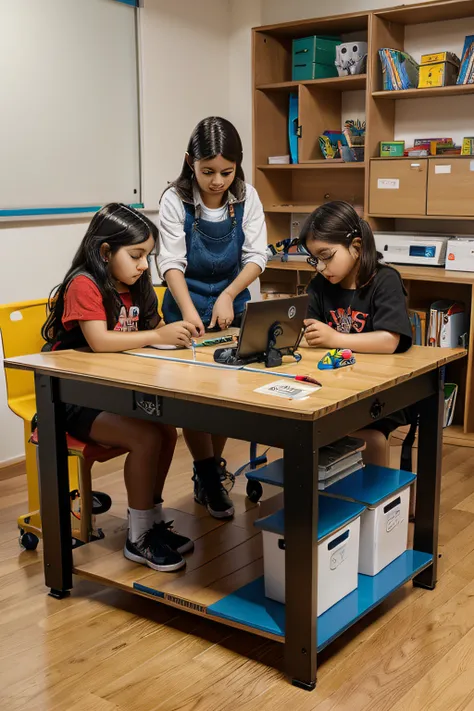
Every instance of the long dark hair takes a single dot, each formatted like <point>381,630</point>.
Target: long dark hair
<point>212,136</point>
<point>338,223</point>
<point>119,226</point>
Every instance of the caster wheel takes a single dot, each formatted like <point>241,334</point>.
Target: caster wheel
<point>100,502</point>
<point>29,541</point>
<point>254,491</point>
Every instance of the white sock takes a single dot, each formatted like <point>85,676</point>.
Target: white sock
<point>158,512</point>
<point>140,521</point>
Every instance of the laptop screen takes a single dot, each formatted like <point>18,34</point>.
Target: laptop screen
<point>260,316</point>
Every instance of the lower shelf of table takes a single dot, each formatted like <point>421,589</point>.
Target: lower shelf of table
<point>223,581</point>
<point>250,606</point>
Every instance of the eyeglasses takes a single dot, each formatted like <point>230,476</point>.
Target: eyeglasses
<point>320,263</point>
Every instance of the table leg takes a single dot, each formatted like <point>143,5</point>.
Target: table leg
<point>54,487</point>
<point>428,484</point>
<point>301,554</point>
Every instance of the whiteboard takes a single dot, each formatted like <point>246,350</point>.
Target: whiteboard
<point>69,117</point>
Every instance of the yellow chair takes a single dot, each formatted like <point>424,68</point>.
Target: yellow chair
<point>160,292</point>
<point>20,326</point>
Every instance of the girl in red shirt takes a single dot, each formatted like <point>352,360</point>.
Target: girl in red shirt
<point>107,303</point>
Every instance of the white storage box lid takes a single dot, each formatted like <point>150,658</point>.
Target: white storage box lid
<point>333,514</point>
<point>371,485</point>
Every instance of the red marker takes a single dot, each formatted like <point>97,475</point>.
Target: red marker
<point>307,379</point>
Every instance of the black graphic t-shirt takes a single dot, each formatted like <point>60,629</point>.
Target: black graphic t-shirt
<point>380,306</point>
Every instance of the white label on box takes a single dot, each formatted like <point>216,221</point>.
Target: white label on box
<point>471,166</point>
<point>388,183</point>
<point>393,520</point>
<point>442,168</point>
<point>337,558</point>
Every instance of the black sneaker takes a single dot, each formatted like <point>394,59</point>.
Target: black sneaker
<point>209,492</point>
<point>226,477</point>
<point>151,550</point>
<point>177,542</point>
<point>173,539</point>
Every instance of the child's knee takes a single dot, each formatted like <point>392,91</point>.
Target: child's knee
<point>169,435</point>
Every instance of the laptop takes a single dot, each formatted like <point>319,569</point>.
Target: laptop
<point>286,315</point>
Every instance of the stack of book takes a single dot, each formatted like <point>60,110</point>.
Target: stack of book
<point>338,460</point>
<point>418,319</point>
<point>466,72</point>
<point>399,70</point>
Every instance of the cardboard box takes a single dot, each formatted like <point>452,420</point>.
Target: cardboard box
<point>392,149</point>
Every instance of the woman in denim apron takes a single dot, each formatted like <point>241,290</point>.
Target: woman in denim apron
<point>212,247</point>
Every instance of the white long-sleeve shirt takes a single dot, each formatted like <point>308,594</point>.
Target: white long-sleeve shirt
<point>172,247</point>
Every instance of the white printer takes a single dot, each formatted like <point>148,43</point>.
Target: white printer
<point>412,248</point>
<point>460,254</point>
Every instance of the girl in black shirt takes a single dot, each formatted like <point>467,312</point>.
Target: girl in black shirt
<point>355,301</point>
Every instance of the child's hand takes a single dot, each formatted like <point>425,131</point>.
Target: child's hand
<point>192,317</point>
<point>175,334</point>
<point>320,335</point>
<point>223,311</point>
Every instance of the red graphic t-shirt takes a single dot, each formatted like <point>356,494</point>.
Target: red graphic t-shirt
<point>83,302</point>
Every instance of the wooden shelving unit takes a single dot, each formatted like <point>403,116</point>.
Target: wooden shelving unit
<point>288,189</point>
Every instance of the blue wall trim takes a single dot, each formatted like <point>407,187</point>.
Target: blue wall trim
<point>31,212</point>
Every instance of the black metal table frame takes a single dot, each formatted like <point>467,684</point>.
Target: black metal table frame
<point>299,439</point>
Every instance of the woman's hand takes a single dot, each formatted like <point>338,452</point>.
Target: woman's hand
<point>191,316</point>
<point>320,335</point>
<point>175,334</point>
<point>223,312</point>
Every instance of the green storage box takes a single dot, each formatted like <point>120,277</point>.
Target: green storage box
<point>392,149</point>
<point>314,58</point>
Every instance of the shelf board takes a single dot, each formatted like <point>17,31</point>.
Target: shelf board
<point>427,12</point>
<point>455,90</point>
<point>249,607</point>
<point>294,266</point>
<point>425,217</point>
<point>289,208</point>
<point>315,165</point>
<point>455,435</point>
<point>334,25</point>
<point>415,273</point>
<point>355,82</point>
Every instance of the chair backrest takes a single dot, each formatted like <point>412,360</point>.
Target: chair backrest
<point>20,326</point>
<point>160,292</point>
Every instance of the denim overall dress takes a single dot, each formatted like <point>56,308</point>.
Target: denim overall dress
<point>214,254</point>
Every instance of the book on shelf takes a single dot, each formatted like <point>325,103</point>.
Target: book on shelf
<point>419,319</point>
<point>466,71</point>
<point>399,70</point>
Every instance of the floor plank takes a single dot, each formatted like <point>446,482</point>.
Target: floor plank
<point>104,649</point>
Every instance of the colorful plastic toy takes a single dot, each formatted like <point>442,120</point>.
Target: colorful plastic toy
<point>336,358</point>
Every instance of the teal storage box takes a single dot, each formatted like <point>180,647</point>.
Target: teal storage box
<point>314,58</point>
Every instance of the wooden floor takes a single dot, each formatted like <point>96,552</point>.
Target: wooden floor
<point>105,649</point>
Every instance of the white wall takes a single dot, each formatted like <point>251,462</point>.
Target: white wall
<point>185,67</point>
<point>33,258</point>
<point>274,11</point>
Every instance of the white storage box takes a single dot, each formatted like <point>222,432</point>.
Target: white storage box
<point>338,552</point>
<point>460,254</point>
<point>384,524</point>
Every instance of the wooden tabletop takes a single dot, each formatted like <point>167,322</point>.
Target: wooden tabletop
<point>236,388</point>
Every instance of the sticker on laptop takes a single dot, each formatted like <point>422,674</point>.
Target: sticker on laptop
<point>288,390</point>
